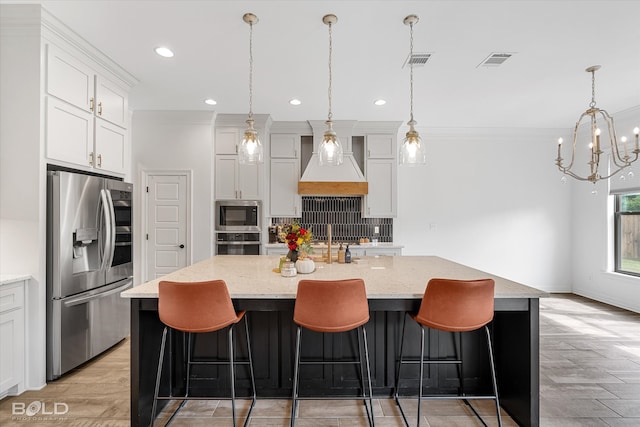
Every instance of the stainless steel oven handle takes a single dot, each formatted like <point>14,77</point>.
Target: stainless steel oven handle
<point>239,243</point>
<point>83,299</point>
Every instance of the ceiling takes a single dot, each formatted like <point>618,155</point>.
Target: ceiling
<point>543,85</point>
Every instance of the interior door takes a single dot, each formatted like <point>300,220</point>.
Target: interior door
<point>168,247</point>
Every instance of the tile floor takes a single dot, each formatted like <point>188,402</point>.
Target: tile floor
<point>589,375</point>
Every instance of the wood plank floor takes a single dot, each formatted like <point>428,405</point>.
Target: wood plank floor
<point>589,374</point>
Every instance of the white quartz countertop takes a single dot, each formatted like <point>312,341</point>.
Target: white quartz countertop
<point>252,276</point>
<point>6,279</point>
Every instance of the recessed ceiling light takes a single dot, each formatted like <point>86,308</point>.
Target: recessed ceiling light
<point>210,101</point>
<point>165,52</point>
<point>295,101</point>
<point>379,102</point>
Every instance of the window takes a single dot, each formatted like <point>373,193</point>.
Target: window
<point>627,233</point>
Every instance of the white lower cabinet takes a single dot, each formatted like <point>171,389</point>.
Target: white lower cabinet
<point>12,337</point>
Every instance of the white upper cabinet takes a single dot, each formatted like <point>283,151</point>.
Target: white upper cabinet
<point>70,79</point>
<point>284,198</point>
<point>86,115</point>
<point>233,180</point>
<point>111,102</point>
<point>381,146</point>
<point>285,146</point>
<point>227,140</point>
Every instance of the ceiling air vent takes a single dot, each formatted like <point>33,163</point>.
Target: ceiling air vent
<point>417,59</point>
<point>495,59</point>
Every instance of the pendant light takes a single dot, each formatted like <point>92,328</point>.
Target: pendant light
<point>621,157</point>
<point>412,150</point>
<point>330,150</point>
<point>250,151</point>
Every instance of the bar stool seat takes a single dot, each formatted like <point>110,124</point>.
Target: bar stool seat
<point>452,306</point>
<point>196,308</point>
<point>333,306</point>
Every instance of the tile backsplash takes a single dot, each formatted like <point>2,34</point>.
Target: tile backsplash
<point>345,216</point>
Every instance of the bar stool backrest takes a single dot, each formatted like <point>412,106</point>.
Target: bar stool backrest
<point>331,305</point>
<point>457,305</point>
<point>196,306</point>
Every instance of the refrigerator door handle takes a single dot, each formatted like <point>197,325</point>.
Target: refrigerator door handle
<point>83,299</point>
<point>112,226</point>
<point>109,229</point>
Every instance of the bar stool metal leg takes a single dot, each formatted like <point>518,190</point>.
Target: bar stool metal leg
<point>296,372</point>
<point>366,356</point>
<point>493,375</point>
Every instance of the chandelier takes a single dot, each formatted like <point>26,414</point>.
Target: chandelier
<point>412,150</point>
<point>250,151</point>
<point>621,155</point>
<point>330,150</point>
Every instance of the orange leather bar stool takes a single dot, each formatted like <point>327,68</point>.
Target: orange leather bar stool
<point>452,306</point>
<point>332,306</point>
<point>194,308</point>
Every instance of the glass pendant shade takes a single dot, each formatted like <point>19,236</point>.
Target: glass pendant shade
<point>412,150</point>
<point>250,150</point>
<point>330,151</point>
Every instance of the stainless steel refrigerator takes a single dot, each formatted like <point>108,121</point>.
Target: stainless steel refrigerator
<point>89,263</point>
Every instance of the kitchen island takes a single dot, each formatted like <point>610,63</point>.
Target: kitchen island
<point>394,285</point>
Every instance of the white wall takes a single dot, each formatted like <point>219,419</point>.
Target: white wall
<point>592,240</point>
<point>176,140</point>
<point>491,199</point>
<point>23,174</point>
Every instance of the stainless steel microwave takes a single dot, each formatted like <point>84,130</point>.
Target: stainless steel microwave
<point>238,215</point>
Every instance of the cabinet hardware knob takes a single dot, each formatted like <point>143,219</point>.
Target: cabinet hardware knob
<point>99,160</point>
<point>91,158</point>
<point>91,102</point>
<point>181,246</point>
<point>99,108</point>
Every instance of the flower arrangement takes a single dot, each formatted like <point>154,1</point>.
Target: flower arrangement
<point>298,239</point>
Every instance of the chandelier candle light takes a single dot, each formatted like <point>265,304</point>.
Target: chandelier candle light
<point>330,151</point>
<point>412,150</point>
<point>620,156</point>
<point>250,151</point>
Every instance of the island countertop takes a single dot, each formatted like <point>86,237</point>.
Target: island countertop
<point>252,276</point>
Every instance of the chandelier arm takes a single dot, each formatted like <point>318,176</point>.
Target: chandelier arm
<point>411,67</point>
<point>250,70</point>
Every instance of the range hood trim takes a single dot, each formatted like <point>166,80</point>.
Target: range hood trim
<point>333,188</point>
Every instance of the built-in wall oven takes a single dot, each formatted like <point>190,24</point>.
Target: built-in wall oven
<point>238,215</point>
<point>238,244</point>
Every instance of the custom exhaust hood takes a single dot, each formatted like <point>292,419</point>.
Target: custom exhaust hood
<point>345,179</point>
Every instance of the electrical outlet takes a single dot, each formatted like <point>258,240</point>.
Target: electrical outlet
<point>376,229</point>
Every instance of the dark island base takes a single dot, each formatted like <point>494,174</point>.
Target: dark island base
<point>514,330</point>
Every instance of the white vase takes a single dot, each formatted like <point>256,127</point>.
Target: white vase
<point>305,266</point>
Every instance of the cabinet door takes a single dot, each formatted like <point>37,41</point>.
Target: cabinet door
<point>69,79</point>
<point>111,102</point>
<point>284,198</point>
<point>225,176</point>
<point>69,133</point>
<point>380,146</point>
<point>381,200</point>
<point>249,182</point>
<point>12,333</point>
<point>110,150</point>
<point>285,145</point>
<point>227,140</point>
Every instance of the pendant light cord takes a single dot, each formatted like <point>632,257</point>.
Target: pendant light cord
<point>330,77</point>
<point>411,67</point>
<point>250,71</point>
<point>593,89</point>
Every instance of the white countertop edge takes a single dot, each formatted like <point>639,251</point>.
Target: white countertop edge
<point>6,279</point>
<point>131,294</point>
